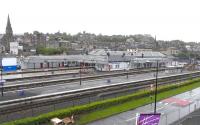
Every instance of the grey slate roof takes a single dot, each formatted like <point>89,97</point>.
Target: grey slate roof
<point>78,58</point>
<point>97,56</point>
<point>147,54</point>
<point>119,58</point>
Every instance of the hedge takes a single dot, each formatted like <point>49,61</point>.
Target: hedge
<point>45,118</point>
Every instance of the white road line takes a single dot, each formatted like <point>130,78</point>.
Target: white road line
<point>194,94</point>
<point>160,108</point>
<point>131,119</point>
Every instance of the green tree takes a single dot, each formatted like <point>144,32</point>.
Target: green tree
<point>50,51</point>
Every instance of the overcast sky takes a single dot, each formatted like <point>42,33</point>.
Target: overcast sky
<point>167,19</point>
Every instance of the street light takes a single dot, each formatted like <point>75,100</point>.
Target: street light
<point>80,74</point>
<point>156,87</point>
<point>2,82</point>
<point>127,74</point>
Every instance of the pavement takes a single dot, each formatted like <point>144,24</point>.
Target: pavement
<point>191,119</point>
<point>172,109</point>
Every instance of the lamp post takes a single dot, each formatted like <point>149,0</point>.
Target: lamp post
<point>2,81</point>
<point>127,74</point>
<point>80,74</point>
<point>156,87</point>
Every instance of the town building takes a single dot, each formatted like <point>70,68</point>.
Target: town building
<point>170,51</point>
<point>15,48</point>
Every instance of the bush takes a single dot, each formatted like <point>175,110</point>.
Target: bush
<point>50,51</point>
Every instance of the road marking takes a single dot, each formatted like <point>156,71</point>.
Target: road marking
<point>147,111</point>
<point>131,119</point>
<point>194,94</point>
<point>160,108</point>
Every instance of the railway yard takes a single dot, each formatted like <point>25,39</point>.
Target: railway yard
<point>29,93</point>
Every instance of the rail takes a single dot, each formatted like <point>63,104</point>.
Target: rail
<point>47,99</point>
<point>44,70</point>
<point>68,80</point>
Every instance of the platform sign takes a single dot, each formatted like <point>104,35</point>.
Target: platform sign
<point>9,64</point>
<point>148,119</point>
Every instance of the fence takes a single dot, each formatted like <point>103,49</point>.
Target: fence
<point>176,116</point>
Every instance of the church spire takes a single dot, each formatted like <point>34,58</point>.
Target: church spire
<point>8,27</point>
<point>8,37</point>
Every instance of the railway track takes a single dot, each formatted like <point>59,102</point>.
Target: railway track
<point>44,70</point>
<point>70,72</point>
<point>17,105</point>
<point>45,81</point>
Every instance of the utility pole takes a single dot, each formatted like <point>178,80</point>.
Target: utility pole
<point>1,82</point>
<point>80,74</point>
<point>127,73</point>
<point>156,87</point>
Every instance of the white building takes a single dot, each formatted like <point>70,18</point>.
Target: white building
<point>124,60</point>
<point>170,51</point>
<point>15,47</point>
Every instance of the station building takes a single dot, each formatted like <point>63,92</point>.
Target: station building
<point>102,60</point>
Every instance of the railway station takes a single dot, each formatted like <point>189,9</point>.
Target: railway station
<point>102,60</point>
<point>48,83</point>
<point>68,86</point>
<point>105,62</point>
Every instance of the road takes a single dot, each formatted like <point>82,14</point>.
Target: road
<point>76,85</point>
<point>171,109</point>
